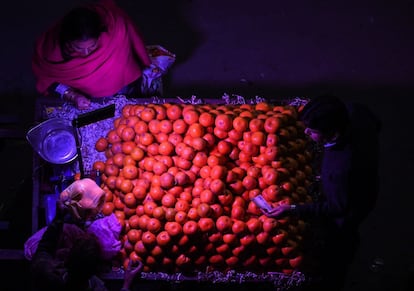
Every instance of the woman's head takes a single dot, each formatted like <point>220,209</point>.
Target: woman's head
<point>80,31</point>
<point>325,117</point>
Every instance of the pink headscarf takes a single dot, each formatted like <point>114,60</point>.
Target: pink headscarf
<point>113,65</point>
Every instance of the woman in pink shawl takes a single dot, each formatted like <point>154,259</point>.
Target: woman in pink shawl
<point>94,51</point>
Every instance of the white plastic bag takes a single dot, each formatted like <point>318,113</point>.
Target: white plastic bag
<point>84,198</point>
<point>107,230</point>
<point>162,60</point>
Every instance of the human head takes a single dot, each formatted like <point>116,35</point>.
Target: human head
<point>325,118</point>
<point>80,30</point>
<point>84,259</point>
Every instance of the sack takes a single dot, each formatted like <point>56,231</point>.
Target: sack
<point>107,230</point>
<point>161,61</point>
<point>84,198</point>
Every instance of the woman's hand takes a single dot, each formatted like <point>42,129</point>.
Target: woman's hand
<point>80,100</point>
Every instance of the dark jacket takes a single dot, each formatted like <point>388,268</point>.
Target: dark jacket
<point>349,174</point>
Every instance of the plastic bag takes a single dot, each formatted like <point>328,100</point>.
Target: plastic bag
<point>162,60</point>
<point>84,198</point>
<point>107,230</point>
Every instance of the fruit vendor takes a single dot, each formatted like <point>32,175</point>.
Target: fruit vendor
<point>72,268</point>
<point>349,179</point>
<point>93,51</point>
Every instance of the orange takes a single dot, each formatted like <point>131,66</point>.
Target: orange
<point>133,221</point>
<point>130,172</point>
<point>137,154</point>
<point>262,238</point>
<point>223,122</point>
<point>182,205</point>
<point>161,112</point>
<point>140,249</point>
<point>154,225</point>
<point>248,239</point>
<point>148,114</point>
<point>254,225</point>
<point>127,134</point>
<point>168,200</point>
<point>166,148</point>
<point>173,228</point>
<point>203,209</point>
<point>256,124</point>
<point>216,260</point>
<point>163,238</point>
<point>99,166</point>
<point>224,223</point>
<point>108,208</point>
<point>190,116</point>
<point>207,196</point>
<point>112,137</point>
<point>180,126</point>
<point>190,227</point>
<point>269,224</point>
<point>193,214</point>
<point>174,112</point>
<point>230,238</point>
<point>134,235</point>
<point>130,200</point>
<point>206,119</point>
<point>240,124</point>
<point>223,249</point>
<point>238,212</point>
<point>149,207</point>
<point>141,127</point>
<point>195,130</point>
<point>224,147</point>
<point>101,144</point>
<point>181,217</point>
<point>262,106</point>
<point>239,227</point>
<point>206,224</point>
<point>148,238</point>
<point>217,186</point>
<point>156,193</point>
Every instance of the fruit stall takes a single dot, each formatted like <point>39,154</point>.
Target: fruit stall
<point>181,175</point>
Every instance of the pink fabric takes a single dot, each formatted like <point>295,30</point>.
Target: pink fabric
<point>105,71</point>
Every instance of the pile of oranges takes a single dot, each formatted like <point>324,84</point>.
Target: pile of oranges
<point>180,179</point>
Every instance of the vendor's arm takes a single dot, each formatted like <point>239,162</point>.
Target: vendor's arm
<point>335,205</point>
<point>67,93</point>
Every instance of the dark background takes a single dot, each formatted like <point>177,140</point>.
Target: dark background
<point>358,50</point>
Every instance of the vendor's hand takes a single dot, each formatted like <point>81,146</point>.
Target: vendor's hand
<point>278,212</point>
<point>77,98</point>
<point>81,101</point>
<point>134,268</point>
